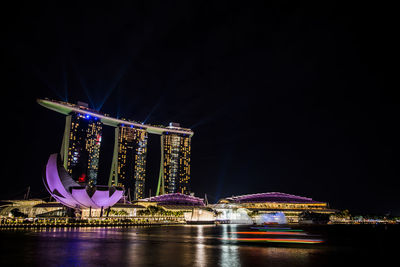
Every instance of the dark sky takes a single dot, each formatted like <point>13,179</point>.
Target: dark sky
<point>281,97</point>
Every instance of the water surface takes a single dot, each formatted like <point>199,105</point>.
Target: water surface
<point>364,245</point>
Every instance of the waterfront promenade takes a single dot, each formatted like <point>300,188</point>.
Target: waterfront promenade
<point>90,222</point>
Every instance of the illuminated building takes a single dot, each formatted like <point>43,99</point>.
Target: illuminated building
<point>68,108</point>
<point>175,163</point>
<point>65,190</point>
<point>128,167</point>
<point>176,200</point>
<point>81,147</point>
<point>273,202</point>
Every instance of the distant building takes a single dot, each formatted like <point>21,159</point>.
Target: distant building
<point>81,147</point>
<point>129,161</point>
<point>273,202</point>
<point>175,200</point>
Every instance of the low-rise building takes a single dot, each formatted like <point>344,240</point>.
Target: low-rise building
<point>263,203</point>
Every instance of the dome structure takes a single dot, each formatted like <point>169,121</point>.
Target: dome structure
<point>176,199</point>
<point>270,197</point>
<point>65,190</point>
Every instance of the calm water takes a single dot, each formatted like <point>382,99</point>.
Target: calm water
<point>195,246</point>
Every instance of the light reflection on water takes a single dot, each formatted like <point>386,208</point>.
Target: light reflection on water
<point>200,257</point>
<point>201,245</point>
<point>229,253</point>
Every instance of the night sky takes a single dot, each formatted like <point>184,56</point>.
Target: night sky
<point>281,97</point>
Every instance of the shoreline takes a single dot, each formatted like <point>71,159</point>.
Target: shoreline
<point>79,225</point>
<point>119,224</point>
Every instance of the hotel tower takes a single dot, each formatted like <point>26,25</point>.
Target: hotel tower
<point>80,150</point>
<point>80,147</point>
<point>128,168</point>
<point>175,162</point>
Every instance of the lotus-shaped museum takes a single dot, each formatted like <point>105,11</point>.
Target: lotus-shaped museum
<point>65,190</point>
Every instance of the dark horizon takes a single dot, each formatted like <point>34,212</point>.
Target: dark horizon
<point>282,98</point>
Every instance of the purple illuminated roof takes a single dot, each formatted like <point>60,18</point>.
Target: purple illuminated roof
<point>176,199</point>
<point>271,197</point>
<point>66,191</point>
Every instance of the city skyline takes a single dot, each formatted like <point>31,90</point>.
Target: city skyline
<point>294,98</point>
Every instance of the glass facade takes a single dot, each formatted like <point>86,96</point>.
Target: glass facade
<point>140,166</point>
<point>129,162</point>
<point>81,145</point>
<point>176,163</point>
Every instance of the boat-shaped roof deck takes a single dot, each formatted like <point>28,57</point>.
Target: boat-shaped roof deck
<point>68,108</point>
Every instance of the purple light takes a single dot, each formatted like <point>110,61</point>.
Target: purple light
<point>54,185</point>
<point>83,198</point>
<point>272,197</point>
<point>59,184</point>
<point>177,199</point>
